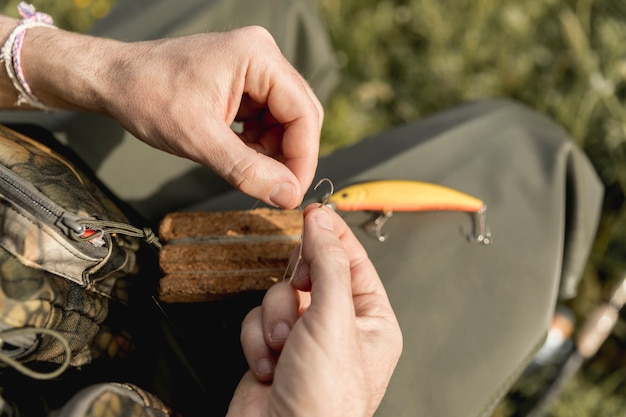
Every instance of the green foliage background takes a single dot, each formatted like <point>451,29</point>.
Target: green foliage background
<point>78,15</point>
<point>404,59</point>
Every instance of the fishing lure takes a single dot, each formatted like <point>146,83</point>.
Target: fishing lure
<point>387,196</point>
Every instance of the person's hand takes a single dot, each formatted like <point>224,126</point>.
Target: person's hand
<point>327,347</point>
<point>183,94</point>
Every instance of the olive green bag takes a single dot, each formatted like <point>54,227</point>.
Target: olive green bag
<point>66,251</point>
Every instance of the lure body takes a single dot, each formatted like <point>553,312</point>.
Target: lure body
<point>403,195</point>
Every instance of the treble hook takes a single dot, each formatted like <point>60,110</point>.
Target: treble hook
<point>376,226</point>
<point>481,233</point>
<point>326,196</point>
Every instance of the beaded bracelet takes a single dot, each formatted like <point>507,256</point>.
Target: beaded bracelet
<point>12,49</point>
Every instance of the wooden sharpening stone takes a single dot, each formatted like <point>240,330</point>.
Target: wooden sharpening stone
<point>212,255</point>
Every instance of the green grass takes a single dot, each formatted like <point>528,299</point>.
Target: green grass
<point>402,60</point>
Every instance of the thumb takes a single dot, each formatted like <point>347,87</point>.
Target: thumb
<point>252,172</point>
<point>328,262</point>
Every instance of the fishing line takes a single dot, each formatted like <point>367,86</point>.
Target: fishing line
<point>296,257</point>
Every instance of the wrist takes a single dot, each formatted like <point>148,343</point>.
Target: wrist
<point>7,93</point>
<point>11,53</point>
<point>67,70</point>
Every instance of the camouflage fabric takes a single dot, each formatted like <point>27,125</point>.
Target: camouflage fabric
<point>114,400</point>
<point>49,278</point>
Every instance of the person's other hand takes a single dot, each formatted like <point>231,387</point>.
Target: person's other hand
<point>183,94</point>
<point>327,347</point>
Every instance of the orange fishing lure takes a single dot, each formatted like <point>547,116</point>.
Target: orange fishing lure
<point>388,196</point>
<point>402,195</point>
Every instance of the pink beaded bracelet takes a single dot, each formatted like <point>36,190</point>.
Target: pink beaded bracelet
<point>11,53</point>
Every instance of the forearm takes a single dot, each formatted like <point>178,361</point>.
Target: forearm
<point>64,70</point>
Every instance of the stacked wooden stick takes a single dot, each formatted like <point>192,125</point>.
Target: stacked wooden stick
<point>213,255</point>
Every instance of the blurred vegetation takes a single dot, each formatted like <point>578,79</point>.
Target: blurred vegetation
<point>404,59</point>
<point>77,15</point>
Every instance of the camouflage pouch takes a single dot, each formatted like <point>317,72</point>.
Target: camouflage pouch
<point>65,250</point>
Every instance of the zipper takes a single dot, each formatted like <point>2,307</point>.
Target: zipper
<point>78,229</point>
<point>77,247</point>
<point>17,189</point>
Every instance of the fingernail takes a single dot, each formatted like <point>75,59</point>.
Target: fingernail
<point>280,331</point>
<point>264,367</point>
<point>282,194</point>
<point>323,220</point>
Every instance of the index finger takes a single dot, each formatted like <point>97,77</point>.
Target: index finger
<point>330,248</point>
<point>271,79</point>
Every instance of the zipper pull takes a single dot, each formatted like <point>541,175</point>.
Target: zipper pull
<point>73,227</point>
<point>68,222</point>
